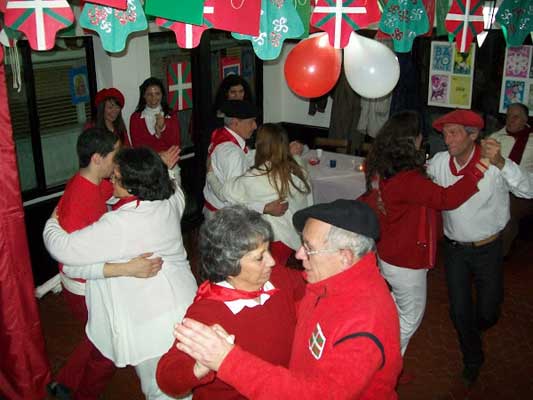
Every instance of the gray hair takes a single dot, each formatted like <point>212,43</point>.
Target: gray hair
<point>341,239</point>
<point>226,237</point>
<point>228,120</point>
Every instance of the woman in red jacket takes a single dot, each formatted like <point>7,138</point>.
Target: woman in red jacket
<point>153,124</point>
<point>406,200</point>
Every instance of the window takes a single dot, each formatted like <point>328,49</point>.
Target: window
<point>49,111</point>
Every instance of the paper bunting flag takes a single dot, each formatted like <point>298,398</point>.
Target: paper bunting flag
<point>279,21</point>
<point>3,5</point>
<point>188,35</point>
<point>303,7</point>
<point>118,4</point>
<point>339,18</point>
<point>188,11</point>
<point>516,20</point>
<point>238,16</point>
<point>464,21</point>
<point>179,80</point>
<point>39,20</point>
<point>112,25</point>
<point>404,20</point>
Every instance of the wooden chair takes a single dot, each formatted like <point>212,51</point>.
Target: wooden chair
<point>333,144</point>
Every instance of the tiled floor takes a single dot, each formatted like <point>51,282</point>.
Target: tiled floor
<point>433,355</point>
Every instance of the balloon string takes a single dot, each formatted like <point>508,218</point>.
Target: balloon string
<point>237,8</point>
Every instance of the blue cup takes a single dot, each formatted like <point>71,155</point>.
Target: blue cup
<point>332,163</point>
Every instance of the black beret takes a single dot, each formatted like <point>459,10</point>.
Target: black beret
<point>239,109</point>
<point>351,215</point>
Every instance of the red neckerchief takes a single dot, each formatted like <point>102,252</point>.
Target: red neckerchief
<point>521,137</point>
<point>125,200</point>
<point>475,159</point>
<point>212,291</point>
<point>222,135</point>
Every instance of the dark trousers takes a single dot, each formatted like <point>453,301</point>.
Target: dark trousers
<point>482,267</point>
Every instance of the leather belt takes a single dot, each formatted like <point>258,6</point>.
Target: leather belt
<point>479,243</point>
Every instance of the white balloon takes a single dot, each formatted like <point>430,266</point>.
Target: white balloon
<point>371,68</point>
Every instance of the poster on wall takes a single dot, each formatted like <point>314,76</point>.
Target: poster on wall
<point>450,76</point>
<point>79,85</point>
<point>229,66</point>
<point>517,82</point>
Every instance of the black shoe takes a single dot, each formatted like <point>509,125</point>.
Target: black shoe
<point>59,391</point>
<point>470,374</point>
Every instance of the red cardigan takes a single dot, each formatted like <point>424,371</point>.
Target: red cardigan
<point>266,331</point>
<point>140,136</point>
<point>408,236</point>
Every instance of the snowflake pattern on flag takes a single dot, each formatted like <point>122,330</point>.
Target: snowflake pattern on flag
<point>516,20</point>
<point>279,21</point>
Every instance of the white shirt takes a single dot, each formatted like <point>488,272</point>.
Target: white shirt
<point>486,212</point>
<point>130,319</point>
<point>229,161</point>
<point>236,306</point>
<point>255,187</point>
<point>507,142</point>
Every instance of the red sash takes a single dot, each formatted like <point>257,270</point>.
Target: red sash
<point>521,137</point>
<point>212,291</point>
<point>222,135</point>
<point>125,200</point>
<point>470,166</point>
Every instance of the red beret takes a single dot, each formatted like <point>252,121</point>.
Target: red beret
<point>460,117</point>
<point>107,93</point>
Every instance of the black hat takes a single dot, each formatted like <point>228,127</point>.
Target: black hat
<point>239,109</point>
<point>352,215</point>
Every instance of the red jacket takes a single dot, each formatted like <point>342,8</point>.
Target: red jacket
<point>346,344</point>
<point>408,228</point>
<point>140,136</point>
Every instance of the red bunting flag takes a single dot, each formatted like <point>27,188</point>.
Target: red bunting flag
<point>179,80</point>
<point>39,20</point>
<point>465,21</point>
<point>188,35</point>
<point>339,18</point>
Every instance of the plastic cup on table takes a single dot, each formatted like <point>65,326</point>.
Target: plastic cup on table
<point>332,163</point>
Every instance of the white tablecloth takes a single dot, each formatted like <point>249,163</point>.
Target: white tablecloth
<point>345,181</point>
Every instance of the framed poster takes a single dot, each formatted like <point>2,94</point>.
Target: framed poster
<point>229,66</point>
<point>79,85</point>
<point>451,76</point>
<point>517,81</point>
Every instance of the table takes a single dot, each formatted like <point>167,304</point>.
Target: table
<point>345,181</point>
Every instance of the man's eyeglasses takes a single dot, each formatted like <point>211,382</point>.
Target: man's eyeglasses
<point>322,251</point>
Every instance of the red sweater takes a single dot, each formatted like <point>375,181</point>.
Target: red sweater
<point>140,136</point>
<point>82,204</point>
<point>353,318</point>
<point>408,236</point>
<point>266,331</point>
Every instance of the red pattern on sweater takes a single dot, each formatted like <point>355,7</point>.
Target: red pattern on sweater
<point>266,331</point>
<point>408,197</point>
<point>356,300</point>
<point>140,136</point>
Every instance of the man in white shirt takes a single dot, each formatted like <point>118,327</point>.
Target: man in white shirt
<point>229,156</point>
<point>516,139</point>
<point>473,245</point>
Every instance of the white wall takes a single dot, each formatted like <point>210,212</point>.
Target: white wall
<point>280,103</point>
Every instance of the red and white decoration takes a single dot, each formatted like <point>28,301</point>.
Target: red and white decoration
<point>339,18</point>
<point>39,20</point>
<point>465,21</point>
<point>179,80</point>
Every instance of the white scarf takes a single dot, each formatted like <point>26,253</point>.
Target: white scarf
<point>149,115</point>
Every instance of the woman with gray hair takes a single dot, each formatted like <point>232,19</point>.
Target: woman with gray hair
<point>244,292</point>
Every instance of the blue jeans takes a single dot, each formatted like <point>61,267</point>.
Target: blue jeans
<point>482,267</point>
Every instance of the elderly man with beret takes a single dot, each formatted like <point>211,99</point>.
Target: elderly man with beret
<point>229,157</point>
<point>347,340</point>
<point>473,245</point>
<point>516,139</point>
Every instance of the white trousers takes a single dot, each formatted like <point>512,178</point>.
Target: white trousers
<point>409,289</point>
<point>146,373</point>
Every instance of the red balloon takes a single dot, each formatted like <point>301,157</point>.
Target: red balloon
<point>313,67</point>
